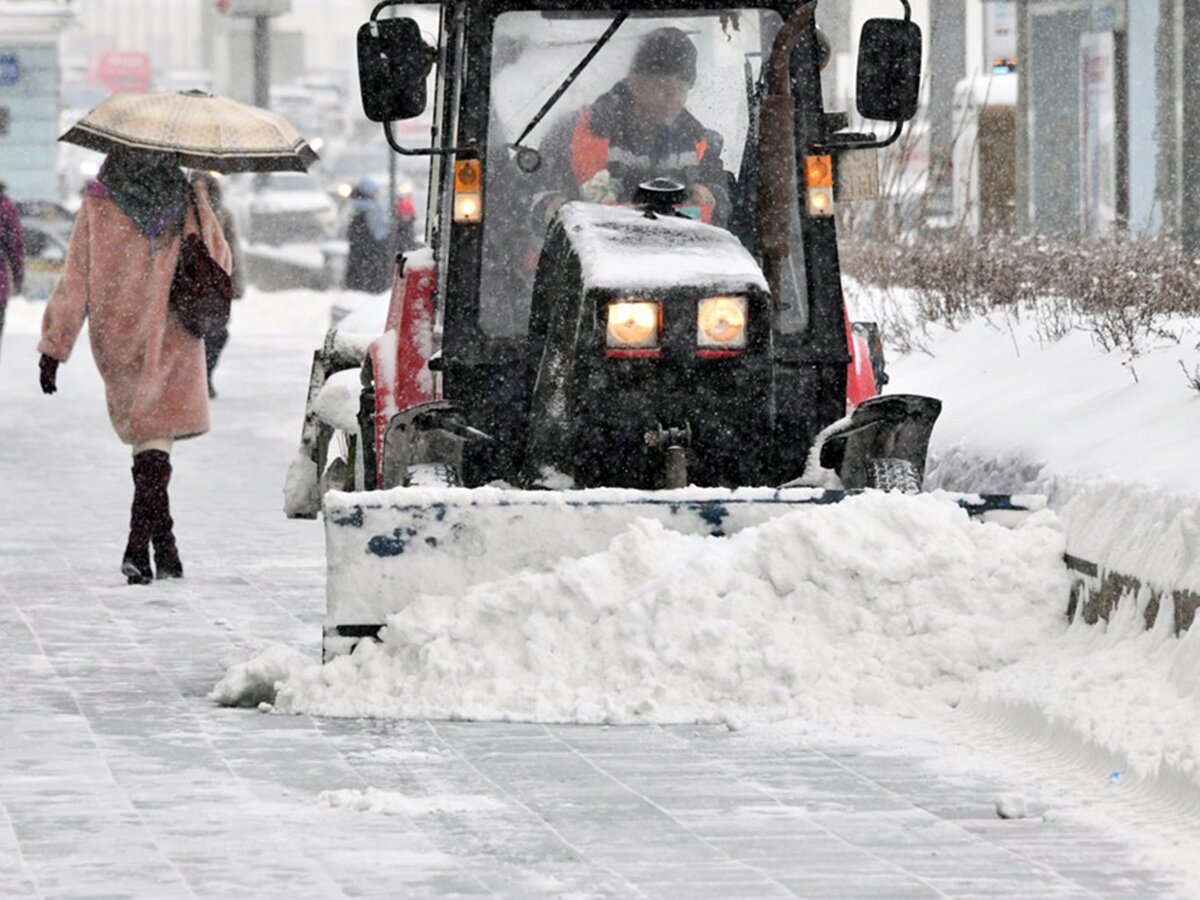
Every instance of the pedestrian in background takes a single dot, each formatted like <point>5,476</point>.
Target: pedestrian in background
<point>12,252</point>
<point>368,266</point>
<point>217,336</point>
<point>405,224</point>
<point>120,265</point>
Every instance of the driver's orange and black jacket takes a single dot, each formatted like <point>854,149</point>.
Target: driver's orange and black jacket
<point>607,136</point>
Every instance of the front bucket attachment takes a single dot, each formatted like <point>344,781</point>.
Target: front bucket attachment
<point>385,547</point>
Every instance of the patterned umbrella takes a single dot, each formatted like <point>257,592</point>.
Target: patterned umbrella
<point>200,130</point>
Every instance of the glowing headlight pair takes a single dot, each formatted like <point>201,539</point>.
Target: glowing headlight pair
<point>637,324</point>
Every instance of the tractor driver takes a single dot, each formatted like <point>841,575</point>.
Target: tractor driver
<point>638,130</point>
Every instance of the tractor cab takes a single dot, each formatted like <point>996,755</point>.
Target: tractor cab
<point>630,304</point>
<point>632,277</point>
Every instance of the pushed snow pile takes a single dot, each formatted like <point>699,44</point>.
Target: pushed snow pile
<point>1011,806</point>
<point>253,682</point>
<point>869,602</point>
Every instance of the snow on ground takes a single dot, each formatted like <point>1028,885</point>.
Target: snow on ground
<point>298,312</point>
<point>119,777</point>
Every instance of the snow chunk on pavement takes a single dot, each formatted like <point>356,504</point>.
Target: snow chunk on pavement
<point>1011,806</point>
<point>867,602</point>
<point>392,803</point>
<point>253,682</point>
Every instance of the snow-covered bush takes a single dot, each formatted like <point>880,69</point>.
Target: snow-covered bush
<point>1119,288</point>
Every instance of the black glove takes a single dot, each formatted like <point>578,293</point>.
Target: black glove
<point>49,367</point>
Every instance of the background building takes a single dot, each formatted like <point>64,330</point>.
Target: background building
<point>29,89</point>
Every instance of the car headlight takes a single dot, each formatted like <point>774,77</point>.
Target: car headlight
<point>721,323</point>
<point>634,325</point>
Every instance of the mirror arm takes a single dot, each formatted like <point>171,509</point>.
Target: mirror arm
<point>384,4</point>
<point>862,141</point>
<point>420,151</point>
<point>907,11</point>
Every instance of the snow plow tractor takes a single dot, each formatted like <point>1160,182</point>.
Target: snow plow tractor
<point>630,305</point>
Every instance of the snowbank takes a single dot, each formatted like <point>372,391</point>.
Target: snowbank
<point>1143,533</point>
<point>1110,439</point>
<point>1029,415</point>
<point>1124,695</point>
<point>881,601</point>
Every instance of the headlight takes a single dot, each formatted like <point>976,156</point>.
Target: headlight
<point>721,323</point>
<point>633,325</point>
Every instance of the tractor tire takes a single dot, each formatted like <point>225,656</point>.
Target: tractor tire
<point>892,474</point>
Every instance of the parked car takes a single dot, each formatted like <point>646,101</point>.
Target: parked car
<point>45,256</point>
<point>281,208</point>
<point>51,215</point>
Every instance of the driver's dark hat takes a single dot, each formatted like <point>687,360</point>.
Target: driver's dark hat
<point>666,51</point>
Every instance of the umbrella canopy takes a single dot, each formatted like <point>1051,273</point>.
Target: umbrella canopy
<point>201,132</point>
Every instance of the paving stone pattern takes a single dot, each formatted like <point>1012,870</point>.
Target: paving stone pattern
<point>118,778</point>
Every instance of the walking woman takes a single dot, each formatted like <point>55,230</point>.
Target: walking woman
<point>119,268</point>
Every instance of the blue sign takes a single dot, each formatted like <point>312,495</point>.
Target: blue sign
<point>10,69</point>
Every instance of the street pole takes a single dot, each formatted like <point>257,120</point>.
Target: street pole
<point>1166,80</point>
<point>262,61</point>
<point>1190,175</point>
<point>262,74</point>
<point>392,167</point>
<point>1025,217</point>
<point>947,66</point>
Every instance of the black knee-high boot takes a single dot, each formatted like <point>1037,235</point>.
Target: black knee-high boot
<point>135,565</point>
<point>166,554</point>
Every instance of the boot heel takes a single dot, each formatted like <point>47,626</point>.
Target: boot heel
<point>136,567</point>
<point>167,563</point>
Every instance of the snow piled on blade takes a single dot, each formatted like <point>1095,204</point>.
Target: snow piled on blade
<point>882,601</point>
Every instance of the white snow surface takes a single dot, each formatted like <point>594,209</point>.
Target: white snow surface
<point>338,400</point>
<point>897,636</point>
<point>701,255</point>
<point>1020,414</point>
<point>393,803</point>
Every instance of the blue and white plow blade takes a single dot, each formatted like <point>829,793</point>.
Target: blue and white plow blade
<point>383,548</point>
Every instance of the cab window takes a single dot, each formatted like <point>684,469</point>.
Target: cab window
<point>667,95</point>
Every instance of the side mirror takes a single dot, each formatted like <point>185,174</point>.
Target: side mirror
<point>393,67</point>
<point>889,69</point>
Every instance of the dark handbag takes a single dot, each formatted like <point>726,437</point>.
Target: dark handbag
<point>201,291</point>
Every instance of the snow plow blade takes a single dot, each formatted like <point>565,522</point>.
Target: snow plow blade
<point>383,548</point>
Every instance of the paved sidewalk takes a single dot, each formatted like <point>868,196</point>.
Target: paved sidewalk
<point>119,778</point>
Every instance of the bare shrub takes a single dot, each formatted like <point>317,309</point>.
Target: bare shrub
<point>1122,289</point>
<point>1193,376</point>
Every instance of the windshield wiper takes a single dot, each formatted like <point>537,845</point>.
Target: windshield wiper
<point>528,159</point>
